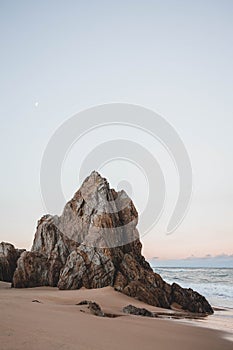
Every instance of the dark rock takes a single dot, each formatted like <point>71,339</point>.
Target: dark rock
<point>133,310</point>
<point>95,309</point>
<point>190,300</point>
<point>42,265</point>
<point>32,270</point>
<point>8,261</point>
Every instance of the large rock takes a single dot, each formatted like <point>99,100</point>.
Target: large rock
<point>41,266</point>
<point>189,299</point>
<point>8,260</point>
<point>32,270</point>
<point>95,243</point>
<point>87,267</point>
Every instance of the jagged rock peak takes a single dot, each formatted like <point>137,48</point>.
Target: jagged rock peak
<point>94,184</point>
<point>96,180</point>
<point>99,216</point>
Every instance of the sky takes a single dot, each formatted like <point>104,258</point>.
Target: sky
<point>217,261</point>
<point>173,57</point>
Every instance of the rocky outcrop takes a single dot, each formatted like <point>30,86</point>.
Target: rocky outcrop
<point>32,270</point>
<point>8,260</point>
<point>189,299</point>
<point>95,243</point>
<point>50,250</point>
<point>179,314</point>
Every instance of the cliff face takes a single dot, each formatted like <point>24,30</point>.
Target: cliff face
<point>95,243</point>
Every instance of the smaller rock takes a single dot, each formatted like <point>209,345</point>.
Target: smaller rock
<point>36,301</point>
<point>133,310</point>
<point>95,309</point>
<point>190,300</point>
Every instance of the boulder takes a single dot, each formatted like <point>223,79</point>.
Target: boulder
<point>41,266</point>
<point>95,309</point>
<point>190,300</point>
<point>8,260</point>
<point>138,311</point>
<point>32,270</point>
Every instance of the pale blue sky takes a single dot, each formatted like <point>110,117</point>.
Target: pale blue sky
<point>175,57</point>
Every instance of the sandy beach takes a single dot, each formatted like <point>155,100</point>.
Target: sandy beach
<point>56,322</point>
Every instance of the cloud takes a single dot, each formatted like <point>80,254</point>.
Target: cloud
<point>208,260</point>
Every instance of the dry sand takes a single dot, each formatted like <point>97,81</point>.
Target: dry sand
<point>57,323</point>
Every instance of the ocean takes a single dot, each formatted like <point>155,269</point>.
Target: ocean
<point>216,284</point>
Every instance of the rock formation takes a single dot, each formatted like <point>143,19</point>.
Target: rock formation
<point>95,243</point>
<point>8,260</point>
<point>50,250</point>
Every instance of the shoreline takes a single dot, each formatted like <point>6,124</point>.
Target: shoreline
<point>221,320</point>
<point>56,322</point>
